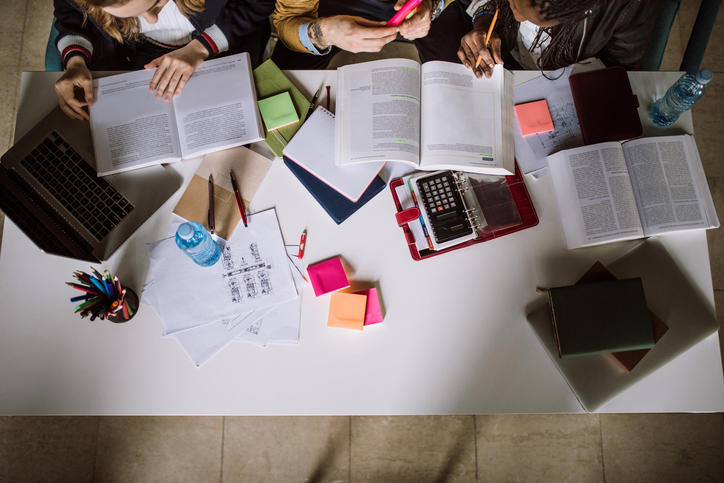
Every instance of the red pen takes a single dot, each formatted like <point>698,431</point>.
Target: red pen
<point>302,243</point>
<point>238,197</point>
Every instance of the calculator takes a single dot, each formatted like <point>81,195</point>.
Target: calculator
<point>443,206</point>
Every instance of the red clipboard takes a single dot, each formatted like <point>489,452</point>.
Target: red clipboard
<point>528,217</point>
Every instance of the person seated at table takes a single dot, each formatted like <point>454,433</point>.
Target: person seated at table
<point>312,31</point>
<point>172,36</point>
<point>548,34</point>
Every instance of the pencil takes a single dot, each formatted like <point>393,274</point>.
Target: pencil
<point>487,36</point>
<point>83,288</point>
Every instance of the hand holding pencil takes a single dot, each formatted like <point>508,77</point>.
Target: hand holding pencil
<point>480,49</point>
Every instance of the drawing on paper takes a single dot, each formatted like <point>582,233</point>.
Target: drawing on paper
<point>247,277</point>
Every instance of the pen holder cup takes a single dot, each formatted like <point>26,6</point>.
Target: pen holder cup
<point>132,307</point>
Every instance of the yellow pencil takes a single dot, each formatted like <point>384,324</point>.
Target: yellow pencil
<point>487,36</point>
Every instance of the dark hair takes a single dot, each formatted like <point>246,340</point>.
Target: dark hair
<point>560,50</point>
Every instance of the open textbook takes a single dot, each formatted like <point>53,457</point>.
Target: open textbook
<point>433,116</point>
<point>132,128</point>
<point>620,191</point>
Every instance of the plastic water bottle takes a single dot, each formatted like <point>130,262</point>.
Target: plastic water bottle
<point>193,239</point>
<point>680,97</point>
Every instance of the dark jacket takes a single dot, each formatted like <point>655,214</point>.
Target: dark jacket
<point>616,31</point>
<point>221,27</point>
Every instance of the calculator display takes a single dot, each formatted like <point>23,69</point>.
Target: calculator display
<point>444,206</point>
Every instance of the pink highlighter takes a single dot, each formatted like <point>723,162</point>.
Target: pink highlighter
<point>403,13</point>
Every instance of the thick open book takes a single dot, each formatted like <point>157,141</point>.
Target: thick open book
<point>620,191</point>
<point>132,128</point>
<point>433,116</point>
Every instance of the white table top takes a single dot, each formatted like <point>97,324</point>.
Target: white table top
<point>455,337</point>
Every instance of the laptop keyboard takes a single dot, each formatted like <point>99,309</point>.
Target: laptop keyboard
<point>91,200</point>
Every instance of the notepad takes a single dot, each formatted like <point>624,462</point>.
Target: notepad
<point>278,111</point>
<point>373,312</point>
<point>327,276</point>
<point>312,148</point>
<point>347,311</point>
<point>534,117</point>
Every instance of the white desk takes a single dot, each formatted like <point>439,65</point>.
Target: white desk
<point>455,338</point>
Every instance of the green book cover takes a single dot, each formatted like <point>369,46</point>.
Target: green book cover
<point>601,317</point>
<point>277,111</point>
<point>270,80</point>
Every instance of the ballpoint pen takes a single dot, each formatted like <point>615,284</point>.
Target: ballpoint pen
<point>302,244</point>
<point>422,221</point>
<point>314,102</point>
<point>211,204</point>
<point>238,197</point>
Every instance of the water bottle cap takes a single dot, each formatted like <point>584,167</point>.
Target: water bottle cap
<point>185,231</point>
<point>704,76</point>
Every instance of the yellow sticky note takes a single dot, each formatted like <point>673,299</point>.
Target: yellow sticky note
<point>534,117</point>
<point>347,311</point>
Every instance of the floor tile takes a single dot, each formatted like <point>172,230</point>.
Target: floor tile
<point>715,237</point>
<point>272,449</point>
<point>146,449</point>
<point>13,15</point>
<point>539,448</point>
<point>10,48</point>
<point>9,81</point>
<point>413,448</point>
<point>663,447</point>
<point>35,38</point>
<point>708,116</point>
<point>47,448</point>
<point>714,55</point>
<point>674,50</point>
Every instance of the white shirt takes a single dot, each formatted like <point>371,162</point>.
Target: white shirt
<point>171,28</point>
<point>527,33</point>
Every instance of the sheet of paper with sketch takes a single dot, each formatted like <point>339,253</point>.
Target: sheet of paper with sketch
<point>252,274</point>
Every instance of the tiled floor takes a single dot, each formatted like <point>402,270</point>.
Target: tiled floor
<point>581,448</point>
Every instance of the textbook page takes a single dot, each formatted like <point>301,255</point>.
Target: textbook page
<point>378,112</point>
<point>594,195</point>
<point>669,183</point>
<point>217,108</point>
<point>130,127</point>
<point>466,122</point>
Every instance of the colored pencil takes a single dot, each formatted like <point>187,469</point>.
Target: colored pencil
<point>487,36</point>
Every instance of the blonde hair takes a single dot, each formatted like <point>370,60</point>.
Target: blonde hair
<point>127,28</point>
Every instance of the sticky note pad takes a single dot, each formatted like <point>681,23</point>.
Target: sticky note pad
<point>373,312</point>
<point>534,117</point>
<point>278,111</point>
<point>327,276</point>
<point>347,311</point>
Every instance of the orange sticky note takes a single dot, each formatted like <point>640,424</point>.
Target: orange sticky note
<point>534,117</point>
<point>347,311</point>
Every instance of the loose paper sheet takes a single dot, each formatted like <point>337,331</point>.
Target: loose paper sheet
<point>253,274</point>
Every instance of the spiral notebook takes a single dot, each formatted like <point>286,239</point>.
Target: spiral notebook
<point>312,148</point>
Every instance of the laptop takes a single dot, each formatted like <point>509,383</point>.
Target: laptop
<point>49,188</point>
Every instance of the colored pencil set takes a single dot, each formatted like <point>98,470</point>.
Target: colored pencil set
<point>103,297</point>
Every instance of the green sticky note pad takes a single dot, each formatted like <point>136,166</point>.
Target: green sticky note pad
<point>278,111</point>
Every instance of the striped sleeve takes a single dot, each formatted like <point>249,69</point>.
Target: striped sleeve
<point>214,40</point>
<point>70,45</point>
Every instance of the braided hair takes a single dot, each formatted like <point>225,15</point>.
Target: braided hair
<point>561,50</point>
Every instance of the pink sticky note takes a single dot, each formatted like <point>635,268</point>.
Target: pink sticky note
<point>534,117</point>
<point>373,312</point>
<point>327,276</point>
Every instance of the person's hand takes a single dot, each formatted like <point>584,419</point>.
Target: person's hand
<point>418,25</point>
<point>174,69</point>
<point>473,44</point>
<point>78,78</point>
<point>350,33</point>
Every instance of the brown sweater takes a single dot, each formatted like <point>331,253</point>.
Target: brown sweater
<point>289,15</point>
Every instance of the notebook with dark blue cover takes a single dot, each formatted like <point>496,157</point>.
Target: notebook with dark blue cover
<point>336,205</point>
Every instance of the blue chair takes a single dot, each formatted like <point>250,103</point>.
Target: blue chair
<point>52,56</point>
<point>698,39</point>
